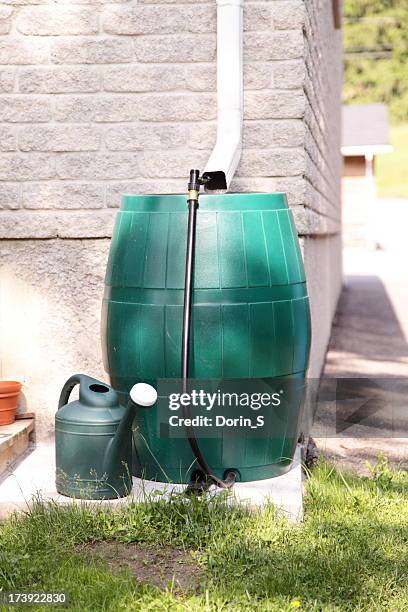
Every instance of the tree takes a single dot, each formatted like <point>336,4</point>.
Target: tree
<point>376,54</point>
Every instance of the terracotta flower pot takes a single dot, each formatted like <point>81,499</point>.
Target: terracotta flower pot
<point>9,391</point>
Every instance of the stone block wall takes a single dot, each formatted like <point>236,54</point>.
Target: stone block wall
<point>100,98</point>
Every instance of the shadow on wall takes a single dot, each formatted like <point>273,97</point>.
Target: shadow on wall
<point>50,302</point>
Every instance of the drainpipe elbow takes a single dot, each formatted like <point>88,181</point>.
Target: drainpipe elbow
<point>224,159</point>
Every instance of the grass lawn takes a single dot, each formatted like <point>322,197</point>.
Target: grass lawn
<point>350,553</point>
<point>392,168</point>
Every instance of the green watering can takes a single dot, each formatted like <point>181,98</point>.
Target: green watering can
<point>93,439</point>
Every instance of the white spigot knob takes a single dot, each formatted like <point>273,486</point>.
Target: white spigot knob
<point>143,394</point>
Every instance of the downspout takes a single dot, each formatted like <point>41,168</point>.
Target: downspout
<point>226,154</point>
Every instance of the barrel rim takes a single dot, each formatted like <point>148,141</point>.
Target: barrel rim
<point>225,202</point>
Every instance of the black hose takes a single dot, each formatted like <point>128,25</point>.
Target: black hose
<point>194,187</point>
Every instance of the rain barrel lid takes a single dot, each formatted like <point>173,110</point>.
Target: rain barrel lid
<point>224,202</point>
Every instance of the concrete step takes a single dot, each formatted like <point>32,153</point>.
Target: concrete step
<point>14,442</point>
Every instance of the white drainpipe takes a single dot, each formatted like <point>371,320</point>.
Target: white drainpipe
<point>227,151</point>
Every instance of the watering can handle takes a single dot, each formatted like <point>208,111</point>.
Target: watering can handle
<point>77,379</point>
<point>74,380</point>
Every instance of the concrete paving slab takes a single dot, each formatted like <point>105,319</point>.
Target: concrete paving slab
<point>35,476</point>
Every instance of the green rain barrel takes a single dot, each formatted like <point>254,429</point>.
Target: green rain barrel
<point>250,319</point>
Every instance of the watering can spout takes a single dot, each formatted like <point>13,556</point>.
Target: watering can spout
<point>141,396</point>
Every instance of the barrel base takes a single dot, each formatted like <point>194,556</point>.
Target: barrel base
<point>246,474</point>
<point>92,491</point>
